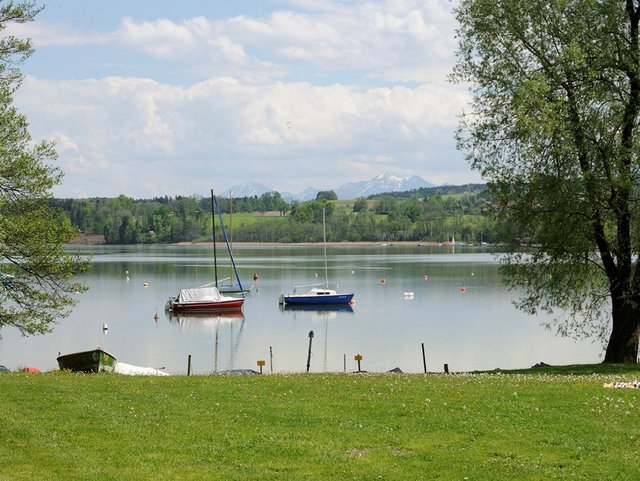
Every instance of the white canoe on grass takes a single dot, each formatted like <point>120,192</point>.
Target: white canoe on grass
<point>131,370</point>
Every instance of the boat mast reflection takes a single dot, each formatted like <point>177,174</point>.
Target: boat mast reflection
<point>211,322</point>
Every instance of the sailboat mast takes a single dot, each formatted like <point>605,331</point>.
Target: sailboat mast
<point>231,235</point>
<point>226,240</point>
<point>324,241</point>
<point>213,228</point>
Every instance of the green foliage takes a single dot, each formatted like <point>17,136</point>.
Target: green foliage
<point>360,205</point>
<point>319,427</point>
<point>37,285</point>
<point>435,218</point>
<point>326,195</point>
<point>554,128</point>
<point>443,190</point>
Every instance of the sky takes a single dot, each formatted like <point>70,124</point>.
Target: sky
<point>149,98</point>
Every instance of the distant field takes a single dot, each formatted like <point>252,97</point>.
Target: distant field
<point>249,218</point>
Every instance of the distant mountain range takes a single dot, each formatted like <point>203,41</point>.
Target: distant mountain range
<point>386,182</point>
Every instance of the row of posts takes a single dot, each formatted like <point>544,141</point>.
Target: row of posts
<point>358,358</point>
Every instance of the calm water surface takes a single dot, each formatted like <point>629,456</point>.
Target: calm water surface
<point>461,312</point>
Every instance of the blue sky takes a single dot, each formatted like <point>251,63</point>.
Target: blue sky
<point>158,97</point>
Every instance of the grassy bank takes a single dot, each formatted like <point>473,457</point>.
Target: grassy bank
<point>330,427</point>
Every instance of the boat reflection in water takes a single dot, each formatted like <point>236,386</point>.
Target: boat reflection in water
<point>317,308</point>
<point>318,311</point>
<point>213,322</point>
<point>204,321</point>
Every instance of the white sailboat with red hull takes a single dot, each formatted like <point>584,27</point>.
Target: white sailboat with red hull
<point>203,299</point>
<point>208,298</point>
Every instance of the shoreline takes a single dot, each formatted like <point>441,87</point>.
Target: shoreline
<point>332,243</point>
<point>96,239</point>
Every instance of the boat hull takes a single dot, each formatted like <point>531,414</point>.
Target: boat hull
<point>87,361</point>
<point>320,300</point>
<point>206,306</point>
<point>203,299</point>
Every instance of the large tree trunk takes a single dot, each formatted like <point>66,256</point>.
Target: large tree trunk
<point>625,333</point>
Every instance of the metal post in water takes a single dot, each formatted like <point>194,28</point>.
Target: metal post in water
<point>309,355</point>
<point>271,358</point>
<point>189,366</point>
<point>424,359</point>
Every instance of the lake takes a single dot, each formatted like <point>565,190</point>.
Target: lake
<point>451,300</point>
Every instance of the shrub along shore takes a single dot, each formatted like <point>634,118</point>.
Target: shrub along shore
<point>538,424</point>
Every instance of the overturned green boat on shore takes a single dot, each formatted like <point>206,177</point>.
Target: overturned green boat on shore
<point>96,360</point>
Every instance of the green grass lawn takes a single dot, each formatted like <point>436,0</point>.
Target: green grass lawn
<point>539,425</point>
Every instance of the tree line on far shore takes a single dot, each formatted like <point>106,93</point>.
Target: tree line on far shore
<point>437,214</point>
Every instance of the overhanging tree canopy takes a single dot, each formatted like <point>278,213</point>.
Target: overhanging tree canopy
<point>553,128</point>
<point>37,286</point>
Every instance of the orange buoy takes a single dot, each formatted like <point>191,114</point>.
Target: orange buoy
<point>255,276</point>
<point>463,289</point>
<point>425,277</point>
<point>382,281</point>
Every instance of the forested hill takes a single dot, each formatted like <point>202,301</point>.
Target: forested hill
<point>438,190</point>
<point>434,214</point>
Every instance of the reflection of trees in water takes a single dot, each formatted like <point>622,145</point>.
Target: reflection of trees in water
<point>211,322</point>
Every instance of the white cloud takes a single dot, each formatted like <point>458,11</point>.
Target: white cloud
<point>319,94</point>
<point>136,125</point>
<point>386,36</point>
<point>161,38</point>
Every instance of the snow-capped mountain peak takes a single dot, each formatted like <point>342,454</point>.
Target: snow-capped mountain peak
<point>385,182</point>
<point>249,189</point>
